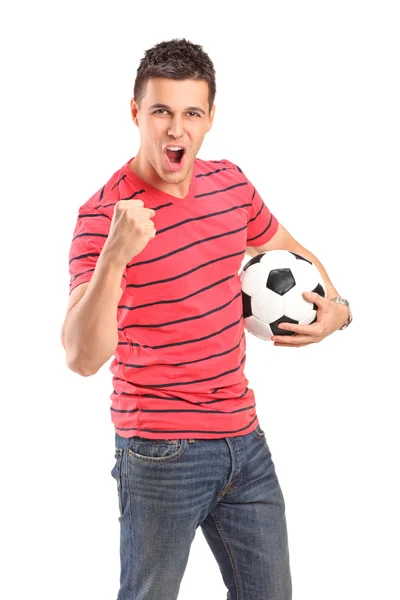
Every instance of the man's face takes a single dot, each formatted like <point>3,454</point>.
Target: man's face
<point>184,123</point>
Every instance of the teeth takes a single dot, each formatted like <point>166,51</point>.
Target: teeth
<point>174,148</point>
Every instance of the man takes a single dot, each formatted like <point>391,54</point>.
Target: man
<point>154,267</point>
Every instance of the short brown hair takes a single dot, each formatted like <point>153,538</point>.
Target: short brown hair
<point>175,59</point>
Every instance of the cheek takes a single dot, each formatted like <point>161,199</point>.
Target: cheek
<point>152,131</point>
<point>197,136</point>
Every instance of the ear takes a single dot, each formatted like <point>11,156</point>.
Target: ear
<point>134,111</point>
<point>212,113</point>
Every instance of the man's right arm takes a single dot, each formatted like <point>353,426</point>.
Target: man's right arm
<point>90,330</point>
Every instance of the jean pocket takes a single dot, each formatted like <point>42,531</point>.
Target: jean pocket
<point>158,451</point>
<point>116,472</point>
<point>259,432</point>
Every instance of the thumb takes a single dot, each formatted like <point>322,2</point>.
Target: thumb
<point>313,297</point>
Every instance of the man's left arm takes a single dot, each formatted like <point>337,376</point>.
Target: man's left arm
<point>330,315</point>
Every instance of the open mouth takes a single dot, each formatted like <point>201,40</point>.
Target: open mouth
<point>174,158</point>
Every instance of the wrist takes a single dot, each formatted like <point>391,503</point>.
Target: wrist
<point>347,312</point>
<point>112,259</point>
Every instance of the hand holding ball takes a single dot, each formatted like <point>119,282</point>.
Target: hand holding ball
<point>272,292</point>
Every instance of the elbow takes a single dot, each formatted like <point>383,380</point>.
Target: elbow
<point>80,369</point>
<point>86,363</point>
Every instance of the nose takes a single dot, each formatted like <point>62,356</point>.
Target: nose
<point>175,128</point>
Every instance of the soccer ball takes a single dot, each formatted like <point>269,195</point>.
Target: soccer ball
<point>272,292</point>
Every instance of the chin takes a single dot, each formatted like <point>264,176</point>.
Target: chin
<point>181,175</point>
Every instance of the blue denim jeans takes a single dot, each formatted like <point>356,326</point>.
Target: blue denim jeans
<point>228,486</point>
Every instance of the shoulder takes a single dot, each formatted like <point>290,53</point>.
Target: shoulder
<point>223,166</point>
<point>105,198</point>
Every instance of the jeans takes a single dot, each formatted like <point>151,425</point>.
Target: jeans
<point>228,486</point>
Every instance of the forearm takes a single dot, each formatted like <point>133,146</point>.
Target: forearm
<point>90,328</point>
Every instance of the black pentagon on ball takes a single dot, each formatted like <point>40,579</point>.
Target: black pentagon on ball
<point>255,259</point>
<point>246,305</point>
<point>284,319</point>
<point>280,281</point>
<point>318,290</point>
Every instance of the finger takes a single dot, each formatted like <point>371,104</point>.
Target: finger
<point>294,339</point>
<point>314,297</point>
<point>290,345</point>
<point>309,329</point>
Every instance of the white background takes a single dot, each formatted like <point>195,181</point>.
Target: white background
<point>308,106</point>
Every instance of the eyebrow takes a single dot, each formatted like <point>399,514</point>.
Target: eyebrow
<point>169,108</point>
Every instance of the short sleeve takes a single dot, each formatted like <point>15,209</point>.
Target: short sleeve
<point>90,233</point>
<point>262,224</point>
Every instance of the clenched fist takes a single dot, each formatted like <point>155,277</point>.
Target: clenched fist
<point>130,231</point>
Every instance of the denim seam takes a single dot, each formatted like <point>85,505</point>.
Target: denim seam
<point>230,554</point>
<point>228,491</point>
<point>128,491</point>
<point>120,471</point>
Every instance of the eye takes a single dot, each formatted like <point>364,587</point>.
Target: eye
<point>163,110</point>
